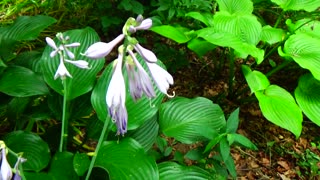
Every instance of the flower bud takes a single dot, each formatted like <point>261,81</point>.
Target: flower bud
<point>79,63</point>
<point>146,54</point>
<point>145,24</point>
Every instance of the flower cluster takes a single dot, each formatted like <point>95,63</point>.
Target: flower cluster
<point>6,172</point>
<point>63,49</point>
<point>139,80</point>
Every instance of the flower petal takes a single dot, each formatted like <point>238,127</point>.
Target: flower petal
<point>51,43</point>
<point>145,24</point>
<point>79,63</point>
<point>160,76</point>
<point>5,171</point>
<point>76,44</point>
<point>62,71</point>
<point>69,53</point>
<point>102,49</point>
<point>146,54</point>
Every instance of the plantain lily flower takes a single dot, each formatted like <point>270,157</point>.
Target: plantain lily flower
<point>16,168</point>
<point>145,24</point>
<point>62,71</point>
<point>101,49</point>
<point>5,171</point>
<point>79,63</point>
<point>139,80</point>
<point>62,47</point>
<point>161,77</point>
<point>146,54</point>
<point>116,97</point>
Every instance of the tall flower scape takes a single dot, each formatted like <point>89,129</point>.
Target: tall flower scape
<point>139,80</point>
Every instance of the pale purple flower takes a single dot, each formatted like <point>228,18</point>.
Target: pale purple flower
<point>161,77</point>
<point>5,170</point>
<point>146,54</point>
<point>116,97</point>
<point>62,47</point>
<point>62,70</point>
<point>139,80</point>
<point>145,24</point>
<point>102,49</point>
<point>16,168</point>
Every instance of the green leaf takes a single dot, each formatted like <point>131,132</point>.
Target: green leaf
<point>236,6</point>
<point>61,166</point>
<point>200,46</point>
<point>21,82</point>
<point>224,148</point>
<point>272,35</point>
<point>279,107</point>
<point>233,121</point>
<point>305,26</point>
<point>34,149</point>
<point>190,120</point>
<point>26,27</point>
<point>82,80</point>
<point>242,140</point>
<point>308,97</point>
<point>38,176</point>
<point>256,80</point>
<point>214,141</point>
<point>307,5</point>
<point>205,18</point>
<point>126,160</point>
<point>194,154</point>
<point>226,39</point>
<point>81,163</point>
<point>176,34</point>
<point>304,49</point>
<point>147,133</point>
<point>172,170</point>
<point>231,166</point>
<point>138,112</point>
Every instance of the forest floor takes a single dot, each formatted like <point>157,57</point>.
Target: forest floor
<point>280,155</point>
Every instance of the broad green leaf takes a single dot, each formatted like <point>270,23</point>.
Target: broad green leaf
<point>194,154</point>
<point>307,26</point>
<point>82,80</point>
<point>81,163</point>
<point>172,32</point>
<point>200,46</point>
<point>304,49</point>
<point>279,107</point>
<point>172,170</point>
<point>30,60</point>
<point>233,121</point>
<point>307,5</point>
<point>190,120</point>
<point>38,176</point>
<point>225,39</point>
<point>224,148</point>
<point>205,18</point>
<point>242,140</point>
<point>126,160</point>
<point>26,27</point>
<point>22,82</point>
<point>138,112</point>
<point>256,80</point>
<point>308,97</point>
<point>272,35</point>
<point>246,27</point>
<point>61,166</point>
<point>34,149</point>
<point>147,133</point>
<point>236,6</point>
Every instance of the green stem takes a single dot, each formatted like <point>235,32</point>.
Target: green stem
<point>64,128</point>
<point>104,133</point>
<point>279,19</point>
<point>278,68</point>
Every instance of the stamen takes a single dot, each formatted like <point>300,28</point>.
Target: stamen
<point>171,96</point>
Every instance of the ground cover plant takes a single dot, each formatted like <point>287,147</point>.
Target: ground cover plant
<point>160,90</point>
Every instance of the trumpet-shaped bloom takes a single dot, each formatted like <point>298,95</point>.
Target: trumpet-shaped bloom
<point>62,47</point>
<point>79,63</point>
<point>116,97</point>
<point>145,24</point>
<point>139,80</point>
<point>16,167</point>
<point>62,70</point>
<point>161,77</point>
<point>146,54</point>
<point>101,49</point>
<point>6,171</point>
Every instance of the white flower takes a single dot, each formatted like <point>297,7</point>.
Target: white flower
<point>116,97</point>
<point>146,54</point>
<point>16,167</point>
<point>6,171</point>
<point>101,49</point>
<point>62,70</point>
<point>62,47</point>
<point>139,80</point>
<point>161,77</point>
<point>79,63</point>
<point>145,24</point>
